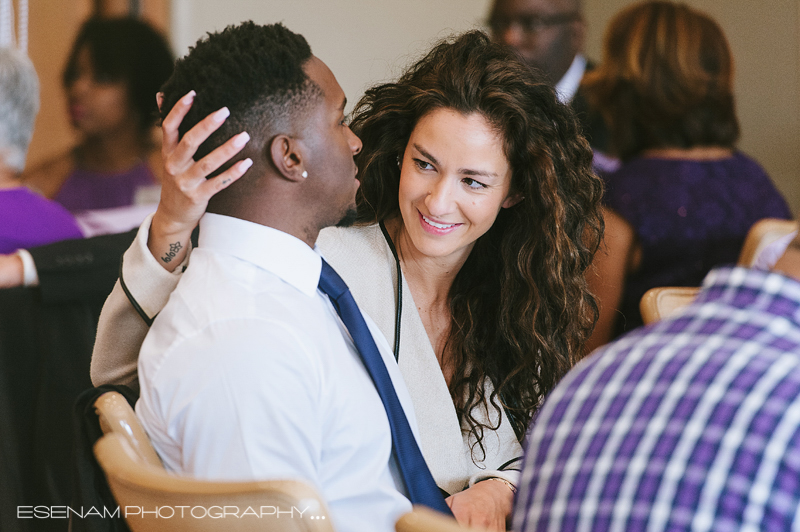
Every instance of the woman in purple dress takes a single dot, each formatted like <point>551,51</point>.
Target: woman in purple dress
<point>26,218</point>
<point>112,75</point>
<point>684,198</point>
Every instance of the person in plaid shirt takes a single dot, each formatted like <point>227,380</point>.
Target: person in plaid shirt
<point>692,423</point>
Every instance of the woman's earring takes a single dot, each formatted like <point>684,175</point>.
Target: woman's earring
<point>304,174</point>
<point>398,161</point>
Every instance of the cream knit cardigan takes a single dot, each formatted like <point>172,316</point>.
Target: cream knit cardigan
<point>365,262</point>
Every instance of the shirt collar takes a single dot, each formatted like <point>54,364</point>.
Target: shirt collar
<point>567,86</point>
<point>772,292</point>
<point>274,251</point>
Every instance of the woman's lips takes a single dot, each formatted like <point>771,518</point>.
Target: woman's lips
<point>434,227</point>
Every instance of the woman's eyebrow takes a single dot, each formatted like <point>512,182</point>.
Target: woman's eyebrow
<point>463,171</point>
<point>425,154</point>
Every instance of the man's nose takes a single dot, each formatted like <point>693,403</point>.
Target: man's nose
<point>355,142</point>
<point>511,35</point>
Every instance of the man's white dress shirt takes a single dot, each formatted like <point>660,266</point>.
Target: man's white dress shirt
<point>248,373</point>
<point>568,85</point>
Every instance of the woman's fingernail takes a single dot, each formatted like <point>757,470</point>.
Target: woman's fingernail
<point>189,97</point>
<point>241,139</point>
<point>245,164</point>
<point>221,115</point>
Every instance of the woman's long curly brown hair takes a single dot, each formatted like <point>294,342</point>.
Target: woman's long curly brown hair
<point>521,310</point>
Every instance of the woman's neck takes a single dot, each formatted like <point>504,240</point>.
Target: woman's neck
<point>429,278</point>
<point>697,153</point>
<point>9,178</point>
<point>113,153</point>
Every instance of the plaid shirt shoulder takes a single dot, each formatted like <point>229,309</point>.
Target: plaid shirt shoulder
<point>692,423</point>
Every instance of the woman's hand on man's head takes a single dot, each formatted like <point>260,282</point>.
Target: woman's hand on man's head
<point>186,188</point>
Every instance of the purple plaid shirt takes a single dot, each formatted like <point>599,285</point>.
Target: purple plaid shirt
<point>692,423</point>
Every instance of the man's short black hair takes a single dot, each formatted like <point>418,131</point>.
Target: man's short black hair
<point>256,71</point>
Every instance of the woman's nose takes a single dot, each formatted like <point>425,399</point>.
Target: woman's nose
<point>439,198</point>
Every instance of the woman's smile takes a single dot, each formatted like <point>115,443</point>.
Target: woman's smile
<point>436,228</point>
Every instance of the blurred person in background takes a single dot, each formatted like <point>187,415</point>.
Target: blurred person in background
<point>685,197</point>
<point>114,70</point>
<point>550,35</point>
<point>26,218</point>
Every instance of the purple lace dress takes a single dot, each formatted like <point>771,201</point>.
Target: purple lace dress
<point>688,216</point>
<point>85,190</point>
<point>28,220</point>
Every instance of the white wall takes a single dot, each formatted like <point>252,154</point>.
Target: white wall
<point>363,41</point>
<point>369,41</point>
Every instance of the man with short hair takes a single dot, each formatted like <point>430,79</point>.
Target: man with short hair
<point>692,423</point>
<point>248,372</point>
<point>550,35</point>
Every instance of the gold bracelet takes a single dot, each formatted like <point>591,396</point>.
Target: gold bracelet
<point>511,486</point>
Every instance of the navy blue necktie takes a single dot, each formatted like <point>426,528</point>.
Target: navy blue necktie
<point>417,477</point>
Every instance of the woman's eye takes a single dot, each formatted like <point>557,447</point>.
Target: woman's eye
<point>423,165</point>
<point>471,183</point>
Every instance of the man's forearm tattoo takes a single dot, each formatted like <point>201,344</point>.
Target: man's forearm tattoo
<point>173,250</point>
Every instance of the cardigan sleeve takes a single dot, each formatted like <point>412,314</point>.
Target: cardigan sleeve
<point>138,296</point>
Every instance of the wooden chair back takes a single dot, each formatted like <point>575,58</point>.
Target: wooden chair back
<point>153,500</point>
<point>763,233</point>
<point>117,417</point>
<point>658,303</point>
<point>423,519</point>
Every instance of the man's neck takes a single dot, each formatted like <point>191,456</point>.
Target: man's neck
<point>264,209</point>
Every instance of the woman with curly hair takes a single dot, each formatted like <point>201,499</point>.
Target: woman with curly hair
<point>684,198</point>
<point>477,217</point>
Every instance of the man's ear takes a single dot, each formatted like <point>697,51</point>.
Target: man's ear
<point>159,100</point>
<point>286,155</point>
<point>512,200</point>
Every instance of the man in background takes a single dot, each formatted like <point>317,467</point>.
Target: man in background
<point>550,35</point>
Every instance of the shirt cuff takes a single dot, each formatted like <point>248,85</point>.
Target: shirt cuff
<point>511,476</point>
<point>30,277</point>
<point>147,282</point>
